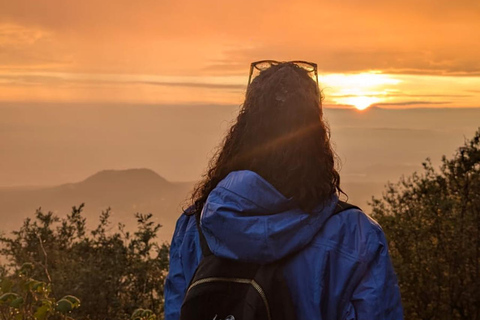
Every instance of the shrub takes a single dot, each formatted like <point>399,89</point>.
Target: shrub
<point>432,222</point>
<point>111,273</point>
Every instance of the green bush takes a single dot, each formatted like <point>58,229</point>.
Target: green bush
<point>432,222</point>
<point>112,273</point>
<point>24,298</point>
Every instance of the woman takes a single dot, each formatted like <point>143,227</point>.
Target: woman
<point>271,192</point>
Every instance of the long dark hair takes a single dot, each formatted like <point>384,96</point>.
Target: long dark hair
<point>280,134</point>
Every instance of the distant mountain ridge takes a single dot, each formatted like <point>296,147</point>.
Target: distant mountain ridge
<point>125,191</point>
<point>126,176</point>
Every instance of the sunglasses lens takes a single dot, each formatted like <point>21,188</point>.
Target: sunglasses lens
<point>310,68</point>
<point>263,65</point>
<point>306,66</point>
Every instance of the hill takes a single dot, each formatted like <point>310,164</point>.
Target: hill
<point>125,191</point>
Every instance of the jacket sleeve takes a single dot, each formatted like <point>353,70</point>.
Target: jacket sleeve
<point>175,283</point>
<point>185,254</point>
<point>377,294</point>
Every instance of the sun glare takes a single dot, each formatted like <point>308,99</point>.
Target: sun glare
<point>359,90</point>
<point>361,102</point>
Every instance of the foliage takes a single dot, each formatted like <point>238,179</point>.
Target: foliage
<point>432,221</point>
<point>113,273</point>
<point>22,297</point>
<point>143,314</point>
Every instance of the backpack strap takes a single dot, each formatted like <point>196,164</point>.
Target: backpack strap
<point>203,242</point>
<point>342,206</point>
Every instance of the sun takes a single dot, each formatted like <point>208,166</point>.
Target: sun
<point>361,102</point>
<point>360,90</point>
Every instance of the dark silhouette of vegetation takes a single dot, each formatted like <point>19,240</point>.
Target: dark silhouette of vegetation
<point>57,269</point>
<point>432,222</point>
<point>22,297</point>
<point>115,274</point>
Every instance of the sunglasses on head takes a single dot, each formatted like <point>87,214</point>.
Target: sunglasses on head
<point>259,66</point>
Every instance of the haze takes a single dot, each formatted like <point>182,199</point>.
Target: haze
<point>87,86</point>
<point>48,144</point>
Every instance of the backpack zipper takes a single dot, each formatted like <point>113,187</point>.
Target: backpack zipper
<point>237,280</point>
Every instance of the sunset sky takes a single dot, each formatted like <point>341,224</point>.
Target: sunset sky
<point>394,54</point>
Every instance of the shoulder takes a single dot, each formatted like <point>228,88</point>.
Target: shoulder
<point>355,232</point>
<point>185,225</point>
<point>185,245</point>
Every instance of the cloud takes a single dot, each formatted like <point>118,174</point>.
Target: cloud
<point>396,95</point>
<point>469,71</point>
<point>190,37</point>
<point>365,57</point>
<point>55,79</point>
<point>196,85</point>
<point>15,35</point>
<point>213,38</point>
<point>27,48</point>
<point>409,103</point>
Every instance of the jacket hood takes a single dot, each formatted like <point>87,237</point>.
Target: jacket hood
<point>246,218</point>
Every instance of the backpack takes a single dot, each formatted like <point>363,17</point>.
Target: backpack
<point>224,289</point>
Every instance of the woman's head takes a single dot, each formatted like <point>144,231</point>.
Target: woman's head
<point>280,134</point>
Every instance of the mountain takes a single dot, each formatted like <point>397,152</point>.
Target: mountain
<point>125,191</point>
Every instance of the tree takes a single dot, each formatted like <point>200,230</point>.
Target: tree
<point>432,222</point>
<point>112,273</point>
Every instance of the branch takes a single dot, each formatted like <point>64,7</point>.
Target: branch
<point>46,258</point>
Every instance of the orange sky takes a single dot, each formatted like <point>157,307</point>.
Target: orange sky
<point>409,53</point>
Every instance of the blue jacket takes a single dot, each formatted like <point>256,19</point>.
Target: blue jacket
<point>341,268</point>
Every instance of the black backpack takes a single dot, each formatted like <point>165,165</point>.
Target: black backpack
<point>224,289</point>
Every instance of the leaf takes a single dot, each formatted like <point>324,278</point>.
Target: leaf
<point>17,303</point>
<point>64,306</point>
<point>147,313</point>
<point>74,300</point>
<point>26,268</point>
<point>42,312</point>
<point>6,285</point>
<point>9,296</point>
<point>38,286</point>
<point>137,314</point>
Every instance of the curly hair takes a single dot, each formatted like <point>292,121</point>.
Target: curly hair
<point>280,134</point>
